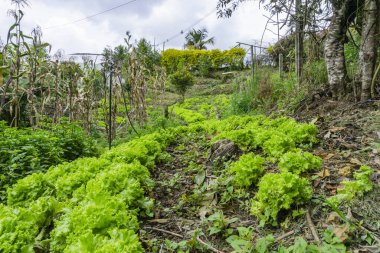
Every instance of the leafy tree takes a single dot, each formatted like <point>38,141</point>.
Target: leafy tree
<point>147,54</point>
<point>197,39</point>
<point>182,80</point>
<point>344,13</point>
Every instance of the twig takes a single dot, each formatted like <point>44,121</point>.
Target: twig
<point>165,231</point>
<point>161,221</point>
<point>312,227</point>
<point>281,237</point>
<point>161,248</point>
<point>208,246</point>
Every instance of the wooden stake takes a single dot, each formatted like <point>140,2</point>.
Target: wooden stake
<point>312,227</point>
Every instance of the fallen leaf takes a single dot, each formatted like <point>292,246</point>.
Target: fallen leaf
<point>342,232</point>
<point>200,177</point>
<point>333,218</point>
<point>329,156</point>
<point>336,129</point>
<point>203,211</point>
<point>327,136</point>
<point>324,173</point>
<point>355,161</point>
<point>332,188</point>
<point>315,120</point>
<point>346,171</point>
<point>349,145</point>
<point>349,215</point>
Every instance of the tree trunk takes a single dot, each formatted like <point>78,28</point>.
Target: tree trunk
<point>368,48</point>
<point>343,14</point>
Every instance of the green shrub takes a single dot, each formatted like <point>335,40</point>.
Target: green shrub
<point>181,80</point>
<point>279,192</point>
<point>202,60</point>
<point>204,66</point>
<point>298,162</point>
<point>315,74</point>
<point>242,99</point>
<point>26,151</point>
<point>247,170</point>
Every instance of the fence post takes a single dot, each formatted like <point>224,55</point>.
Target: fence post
<point>252,63</point>
<point>110,110</point>
<point>280,64</point>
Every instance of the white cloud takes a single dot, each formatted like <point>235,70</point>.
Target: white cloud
<point>152,19</point>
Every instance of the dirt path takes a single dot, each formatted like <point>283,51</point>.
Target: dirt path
<point>188,190</point>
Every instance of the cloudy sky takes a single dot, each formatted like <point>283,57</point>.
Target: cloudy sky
<point>155,20</point>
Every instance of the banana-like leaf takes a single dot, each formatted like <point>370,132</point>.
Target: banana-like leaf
<point>11,29</point>
<point>43,45</point>
<point>26,36</point>
<point>21,14</point>
<point>26,45</point>
<point>23,55</point>
<point>4,67</point>
<point>10,36</point>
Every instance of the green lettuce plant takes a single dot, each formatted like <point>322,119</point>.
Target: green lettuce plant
<point>277,145</point>
<point>247,170</point>
<point>353,189</point>
<point>279,192</point>
<point>298,162</point>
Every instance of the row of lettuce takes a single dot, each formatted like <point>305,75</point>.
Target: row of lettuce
<point>89,205</point>
<point>93,204</point>
<point>199,109</point>
<point>281,142</point>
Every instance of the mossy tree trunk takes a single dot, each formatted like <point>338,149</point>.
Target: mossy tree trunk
<point>343,14</point>
<point>368,47</point>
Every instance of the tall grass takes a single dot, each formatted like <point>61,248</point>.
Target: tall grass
<point>268,91</point>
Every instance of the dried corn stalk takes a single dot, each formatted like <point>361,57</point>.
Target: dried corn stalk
<point>138,84</point>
